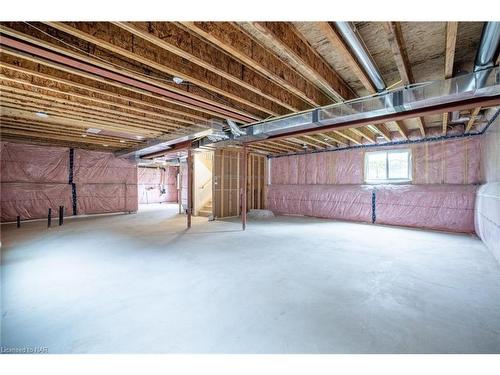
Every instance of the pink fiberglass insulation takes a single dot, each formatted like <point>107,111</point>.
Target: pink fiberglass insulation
<point>35,178</point>
<point>487,213</point>
<point>487,216</point>
<point>93,167</point>
<point>183,169</point>
<point>454,161</point>
<point>156,185</point>
<point>32,200</point>
<point>106,198</point>
<point>345,202</point>
<point>32,163</point>
<point>442,207</point>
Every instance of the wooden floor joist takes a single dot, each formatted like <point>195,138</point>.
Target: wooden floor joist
<point>234,41</point>
<point>95,66</point>
<point>345,134</point>
<point>164,61</point>
<point>473,116</point>
<point>65,88</point>
<point>176,39</point>
<point>77,109</point>
<point>286,37</point>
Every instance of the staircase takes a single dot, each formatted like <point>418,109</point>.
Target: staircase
<point>206,210</point>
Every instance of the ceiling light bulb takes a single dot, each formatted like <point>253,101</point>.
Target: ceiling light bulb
<point>84,135</point>
<point>122,141</point>
<point>105,145</point>
<point>42,114</point>
<point>178,80</point>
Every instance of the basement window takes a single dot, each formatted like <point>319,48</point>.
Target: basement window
<point>387,167</point>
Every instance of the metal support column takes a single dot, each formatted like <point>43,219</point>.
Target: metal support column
<point>189,187</point>
<point>244,191</point>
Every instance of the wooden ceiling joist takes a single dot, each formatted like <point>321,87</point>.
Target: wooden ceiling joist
<point>44,134</point>
<point>45,88</point>
<point>268,148</point>
<point>43,103</point>
<point>364,133</point>
<point>95,89</point>
<point>334,138</point>
<point>21,123</point>
<point>449,59</point>
<point>398,46</point>
<point>316,139</point>
<point>120,42</point>
<point>401,129</point>
<point>451,40</point>
<point>345,134</point>
<point>16,125</point>
<point>176,39</point>
<point>284,145</point>
<point>301,140</point>
<point>95,120</point>
<point>63,56</point>
<point>24,112</point>
<point>383,132</point>
<point>472,119</point>
<point>241,46</point>
<point>286,37</point>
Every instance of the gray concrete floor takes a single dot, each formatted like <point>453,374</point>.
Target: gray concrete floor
<point>141,283</point>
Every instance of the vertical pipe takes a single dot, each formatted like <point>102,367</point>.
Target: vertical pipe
<point>49,218</point>
<point>19,221</point>
<point>244,190</point>
<point>190,187</point>
<point>61,215</point>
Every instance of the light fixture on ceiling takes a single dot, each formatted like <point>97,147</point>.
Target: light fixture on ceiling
<point>42,114</point>
<point>139,137</point>
<point>84,135</point>
<point>122,141</point>
<point>93,130</point>
<point>178,80</point>
<point>105,145</point>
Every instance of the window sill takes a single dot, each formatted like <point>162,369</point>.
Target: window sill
<point>388,182</point>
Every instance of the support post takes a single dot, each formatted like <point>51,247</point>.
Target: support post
<point>244,190</point>
<point>61,215</point>
<point>189,187</point>
<point>49,218</point>
<point>179,190</point>
<point>19,221</point>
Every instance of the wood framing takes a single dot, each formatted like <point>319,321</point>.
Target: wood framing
<point>286,37</point>
<point>237,43</point>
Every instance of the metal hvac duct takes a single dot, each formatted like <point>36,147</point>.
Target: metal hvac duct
<point>486,56</point>
<point>351,37</point>
<point>487,51</point>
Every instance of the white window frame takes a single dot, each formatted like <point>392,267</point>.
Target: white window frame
<point>389,180</point>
